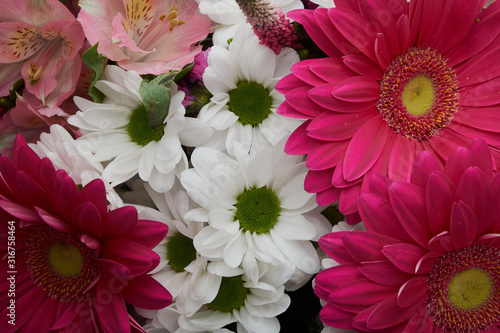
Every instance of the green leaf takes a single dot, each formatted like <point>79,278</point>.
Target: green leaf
<point>180,74</point>
<point>96,63</point>
<point>155,95</point>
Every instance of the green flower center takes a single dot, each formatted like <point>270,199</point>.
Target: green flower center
<point>469,289</point>
<point>231,296</point>
<point>139,130</point>
<point>251,102</point>
<point>66,259</point>
<point>418,95</point>
<point>257,210</point>
<point>180,252</point>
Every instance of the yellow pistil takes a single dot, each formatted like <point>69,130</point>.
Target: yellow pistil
<point>172,17</point>
<point>34,74</point>
<point>469,289</point>
<point>418,95</point>
<point>66,259</point>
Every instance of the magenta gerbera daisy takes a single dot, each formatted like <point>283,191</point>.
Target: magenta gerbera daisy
<point>430,258</point>
<point>399,78</point>
<point>71,264</point>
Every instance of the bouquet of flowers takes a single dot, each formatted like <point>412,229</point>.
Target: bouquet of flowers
<point>250,166</point>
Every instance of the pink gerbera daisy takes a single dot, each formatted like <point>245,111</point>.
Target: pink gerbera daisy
<point>399,78</point>
<point>430,258</point>
<point>70,263</point>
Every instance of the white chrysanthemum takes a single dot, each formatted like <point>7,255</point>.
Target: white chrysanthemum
<point>118,131</point>
<point>257,209</point>
<point>241,79</point>
<point>253,305</point>
<point>74,157</point>
<point>182,270</point>
<point>230,17</point>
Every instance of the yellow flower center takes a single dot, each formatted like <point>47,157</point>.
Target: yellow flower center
<point>470,289</point>
<point>464,285</point>
<point>61,265</point>
<point>418,95</point>
<point>66,259</point>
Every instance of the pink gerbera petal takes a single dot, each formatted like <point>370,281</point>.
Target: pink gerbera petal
<point>415,280</point>
<point>376,52</point>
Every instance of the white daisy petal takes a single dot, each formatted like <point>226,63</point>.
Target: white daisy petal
<point>234,251</point>
<point>302,254</point>
<point>223,219</point>
<point>258,170</point>
<point>295,227</point>
<point>195,132</point>
<point>112,130</point>
<point>295,199</point>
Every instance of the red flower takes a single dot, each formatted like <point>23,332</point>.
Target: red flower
<point>72,263</point>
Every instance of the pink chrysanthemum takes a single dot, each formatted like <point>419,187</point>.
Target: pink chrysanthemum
<point>399,78</point>
<point>70,263</point>
<point>430,258</point>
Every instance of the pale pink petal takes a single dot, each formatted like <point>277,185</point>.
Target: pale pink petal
<point>9,73</point>
<point>19,41</point>
<point>45,11</point>
<point>122,37</point>
<point>96,17</point>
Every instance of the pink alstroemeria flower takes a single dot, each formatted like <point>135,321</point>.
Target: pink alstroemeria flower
<point>147,36</point>
<point>38,38</point>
